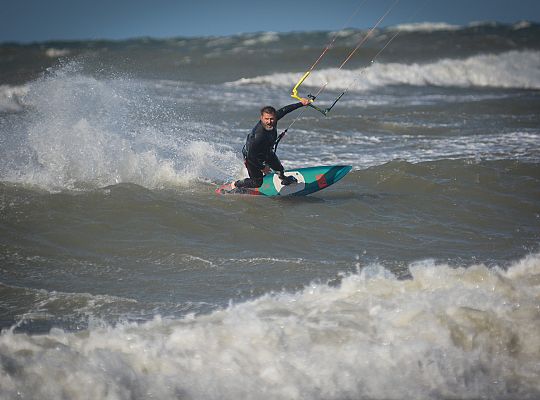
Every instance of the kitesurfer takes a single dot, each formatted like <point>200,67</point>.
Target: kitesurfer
<point>258,152</point>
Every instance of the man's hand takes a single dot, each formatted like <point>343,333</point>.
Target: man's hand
<point>305,101</point>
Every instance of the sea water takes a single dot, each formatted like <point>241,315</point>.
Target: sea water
<point>123,275</point>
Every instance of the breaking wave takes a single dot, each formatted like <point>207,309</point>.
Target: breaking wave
<point>513,69</point>
<point>79,131</point>
<point>445,333</point>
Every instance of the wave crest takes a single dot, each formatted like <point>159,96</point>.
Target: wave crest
<point>513,69</point>
<point>447,332</point>
<point>81,132</point>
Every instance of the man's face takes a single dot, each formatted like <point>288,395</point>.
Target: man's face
<point>268,121</point>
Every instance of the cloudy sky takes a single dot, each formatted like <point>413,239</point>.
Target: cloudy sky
<point>40,20</point>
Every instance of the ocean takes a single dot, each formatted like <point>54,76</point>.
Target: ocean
<point>417,276</point>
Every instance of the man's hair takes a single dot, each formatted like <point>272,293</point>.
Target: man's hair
<point>268,110</point>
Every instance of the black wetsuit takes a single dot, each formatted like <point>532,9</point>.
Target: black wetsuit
<point>259,150</point>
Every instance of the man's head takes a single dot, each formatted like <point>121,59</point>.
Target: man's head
<point>268,117</point>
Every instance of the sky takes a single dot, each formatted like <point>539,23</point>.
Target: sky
<point>41,20</point>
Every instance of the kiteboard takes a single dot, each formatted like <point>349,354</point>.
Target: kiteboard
<point>308,180</point>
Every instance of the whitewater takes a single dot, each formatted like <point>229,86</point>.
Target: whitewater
<point>513,69</point>
<point>444,333</point>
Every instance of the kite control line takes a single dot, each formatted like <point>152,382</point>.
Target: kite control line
<point>294,93</point>
<point>325,111</point>
<point>373,59</point>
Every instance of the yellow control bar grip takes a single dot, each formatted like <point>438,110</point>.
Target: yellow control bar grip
<point>294,93</point>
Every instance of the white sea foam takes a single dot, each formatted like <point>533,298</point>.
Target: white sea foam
<point>522,25</point>
<point>262,38</point>
<point>426,27</point>
<point>56,53</point>
<point>446,333</point>
<point>84,132</point>
<point>513,69</point>
<point>443,26</point>
<point>363,151</point>
<point>11,98</point>
<point>343,33</point>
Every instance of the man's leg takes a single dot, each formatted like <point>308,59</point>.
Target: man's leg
<point>255,179</point>
<point>276,165</point>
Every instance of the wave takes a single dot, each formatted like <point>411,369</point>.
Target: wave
<point>82,132</point>
<point>38,310</point>
<point>443,26</point>
<point>11,98</point>
<point>57,53</point>
<point>260,38</point>
<point>448,331</point>
<point>522,146</point>
<point>425,27</point>
<point>522,25</point>
<point>513,69</point>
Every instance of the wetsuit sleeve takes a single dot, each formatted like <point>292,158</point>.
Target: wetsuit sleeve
<point>287,109</point>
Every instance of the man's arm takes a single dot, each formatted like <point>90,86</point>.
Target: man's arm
<point>291,107</point>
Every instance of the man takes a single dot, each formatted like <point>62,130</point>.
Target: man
<point>258,151</point>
